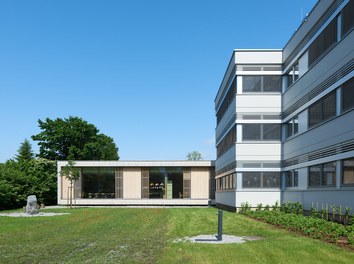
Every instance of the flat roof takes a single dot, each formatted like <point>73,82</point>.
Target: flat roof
<point>257,50</point>
<point>140,163</point>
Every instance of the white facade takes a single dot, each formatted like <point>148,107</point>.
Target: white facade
<point>248,131</point>
<point>314,106</point>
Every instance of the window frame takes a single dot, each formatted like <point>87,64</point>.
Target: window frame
<point>343,172</point>
<point>293,176</point>
<point>261,176</point>
<point>261,131</point>
<point>348,85</point>
<point>322,175</point>
<point>262,84</point>
<point>321,113</point>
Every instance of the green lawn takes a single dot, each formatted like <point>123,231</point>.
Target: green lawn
<point>138,235</point>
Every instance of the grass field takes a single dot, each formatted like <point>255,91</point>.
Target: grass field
<point>145,235</point>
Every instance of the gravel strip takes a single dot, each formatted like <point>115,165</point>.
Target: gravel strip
<point>28,215</point>
<point>212,239</point>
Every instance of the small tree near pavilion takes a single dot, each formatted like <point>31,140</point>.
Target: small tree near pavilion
<point>72,173</point>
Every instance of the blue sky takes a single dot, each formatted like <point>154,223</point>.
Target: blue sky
<point>144,72</point>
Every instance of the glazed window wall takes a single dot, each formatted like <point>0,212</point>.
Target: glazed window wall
<point>348,172</point>
<point>227,142</point>
<point>292,127</point>
<point>166,183</point>
<point>292,178</point>
<point>98,182</point>
<point>293,74</point>
<point>227,182</point>
<point>322,175</point>
<point>257,132</point>
<point>348,18</point>
<point>348,95</point>
<point>261,84</point>
<point>323,109</point>
<point>260,180</point>
<point>326,39</point>
<point>227,101</point>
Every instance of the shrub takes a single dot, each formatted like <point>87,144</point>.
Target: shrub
<point>314,227</point>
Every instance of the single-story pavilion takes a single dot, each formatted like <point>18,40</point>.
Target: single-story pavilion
<point>140,183</point>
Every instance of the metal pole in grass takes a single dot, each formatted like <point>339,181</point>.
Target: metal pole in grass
<point>219,237</point>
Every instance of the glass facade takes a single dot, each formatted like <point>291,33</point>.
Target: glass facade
<point>261,180</point>
<point>323,109</point>
<point>291,178</point>
<point>166,183</point>
<point>322,175</point>
<point>227,142</point>
<point>261,84</point>
<point>258,132</point>
<point>323,42</point>
<point>156,182</point>
<point>98,182</point>
<point>348,95</point>
<point>348,171</point>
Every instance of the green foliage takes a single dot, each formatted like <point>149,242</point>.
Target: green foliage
<point>292,207</point>
<point>259,207</point>
<point>245,207</point>
<point>70,172</point>
<point>25,151</point>
<point>314,227</point>
<point>194,155</point>
<point>73,139</point>
<point>20,179</point>
<point>147,235</point>
<point>276,206</point>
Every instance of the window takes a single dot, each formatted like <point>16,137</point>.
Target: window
<point>251,83</point>
<point>323,42</point>
<point>98,182</point>
<point>348,95</point>
<point>348,171</point>
<point>227,142</point>
<point>227,101</point>
<point>292,178</point>
<point>293,74</point>
<point>169,183</point>
<point>261,180</point>
<point>251,131</point>
<point>266,132</point>
<point>271,132</point>
<point>258,84</point>
<point>258,67</point>
<point>271,180</point>
<point>323,109</point>
<point>322,175</point>
<point>227,182</point>
<point>292,127</point>
<point>251,180</point>
<point>347,18</point>
<point>272,84</point>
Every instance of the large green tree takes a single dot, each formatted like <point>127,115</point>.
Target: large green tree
<point>25,151</point>
<point>27,177</point>
<point>194,155</point>
<point>73,139</point>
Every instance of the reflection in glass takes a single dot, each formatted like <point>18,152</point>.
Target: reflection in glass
<point>98,182</point>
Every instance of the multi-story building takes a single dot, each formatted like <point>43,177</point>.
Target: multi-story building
<point>285,118</point>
